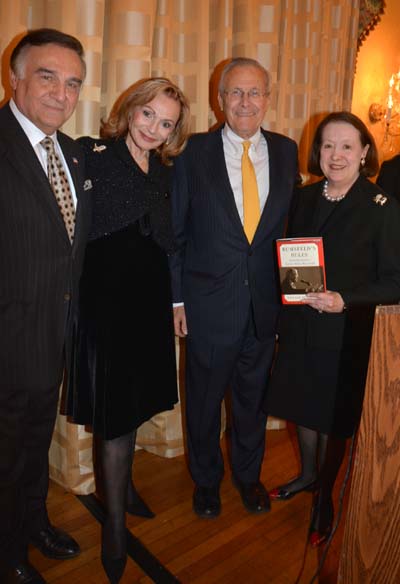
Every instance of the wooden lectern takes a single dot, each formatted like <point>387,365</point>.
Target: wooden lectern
<point>371,545</point>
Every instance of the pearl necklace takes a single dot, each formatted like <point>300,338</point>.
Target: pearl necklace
<point>329,197</point>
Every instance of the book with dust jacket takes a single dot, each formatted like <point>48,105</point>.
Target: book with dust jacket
<point>301,267</point>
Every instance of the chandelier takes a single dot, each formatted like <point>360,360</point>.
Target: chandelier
<point>388,114</point>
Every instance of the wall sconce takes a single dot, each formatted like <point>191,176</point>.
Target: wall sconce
<point>389,115</point>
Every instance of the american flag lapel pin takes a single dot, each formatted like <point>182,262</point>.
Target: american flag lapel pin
<point>74,160</point>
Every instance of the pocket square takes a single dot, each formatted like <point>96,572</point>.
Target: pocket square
<point>87,185</point>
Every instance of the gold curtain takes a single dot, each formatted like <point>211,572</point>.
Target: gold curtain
<point>309,46</point>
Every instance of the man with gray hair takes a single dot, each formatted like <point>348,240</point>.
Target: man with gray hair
<point>44,220</point>
<point>232,193</point>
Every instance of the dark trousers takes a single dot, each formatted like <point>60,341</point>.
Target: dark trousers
<point>243,366</point>
<point>27,418</point>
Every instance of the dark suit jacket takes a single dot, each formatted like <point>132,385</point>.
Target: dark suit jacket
<point>39,269</point>
<point>389,176</point>
<point>215,272</point>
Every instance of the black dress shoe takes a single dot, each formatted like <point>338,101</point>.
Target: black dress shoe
<point>55,543</point>
<point>206,502</point>
<point>284,492</point>
<point>24,573</point>
<point>254,496</point>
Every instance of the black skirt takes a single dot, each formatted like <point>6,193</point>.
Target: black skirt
<point>124,369</point>
<point>315,384</point>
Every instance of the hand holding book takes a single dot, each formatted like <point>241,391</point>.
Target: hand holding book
<point>325,301</point>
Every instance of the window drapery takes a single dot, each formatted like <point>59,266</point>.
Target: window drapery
<point>309,46</point>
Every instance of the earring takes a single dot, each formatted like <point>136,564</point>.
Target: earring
<point>362,161</point>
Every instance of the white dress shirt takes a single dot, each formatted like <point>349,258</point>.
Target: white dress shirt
<point>35,136</point>
<point>258,152</point>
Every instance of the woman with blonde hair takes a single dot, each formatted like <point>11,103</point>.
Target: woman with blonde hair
<point>124,368</point>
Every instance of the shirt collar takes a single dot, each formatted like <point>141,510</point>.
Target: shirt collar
<point>235,142</point>
<point>34,134</point>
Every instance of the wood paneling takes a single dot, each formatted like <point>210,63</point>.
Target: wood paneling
<point>371,546</point>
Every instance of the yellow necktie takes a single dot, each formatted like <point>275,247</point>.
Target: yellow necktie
<point>251,201</point>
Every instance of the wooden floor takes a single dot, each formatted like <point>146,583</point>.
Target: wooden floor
<point>234,548</point>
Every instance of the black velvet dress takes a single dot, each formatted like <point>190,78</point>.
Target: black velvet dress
<point>124,368</point>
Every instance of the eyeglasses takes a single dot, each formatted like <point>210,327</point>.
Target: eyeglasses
<point>238,94</point>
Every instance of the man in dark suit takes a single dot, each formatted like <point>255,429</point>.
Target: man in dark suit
<point>40,263</point>
<point>389,177</point>
<point>225,282</point>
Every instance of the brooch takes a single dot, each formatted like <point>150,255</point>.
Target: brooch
<point>87,185</point>
<point>99,148</point>
<point>380,199</point>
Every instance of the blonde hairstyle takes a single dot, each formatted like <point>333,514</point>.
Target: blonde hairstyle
<point>141,93</point>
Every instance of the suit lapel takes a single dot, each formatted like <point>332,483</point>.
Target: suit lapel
<point>69,150</point>
<point>22,157</point>
<point>273,207</point>
<point>75,165</point>
<point>217,171</point>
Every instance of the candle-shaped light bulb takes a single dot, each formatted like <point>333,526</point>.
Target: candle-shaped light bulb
<point>390,100</point>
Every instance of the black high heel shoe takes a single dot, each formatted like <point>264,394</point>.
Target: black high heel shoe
<point>113,566</point>
<point>283,493</point>
<point>136,505</point>
<point>321,522</point>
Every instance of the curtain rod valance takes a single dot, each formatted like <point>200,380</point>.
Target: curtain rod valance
<point>370,15</point>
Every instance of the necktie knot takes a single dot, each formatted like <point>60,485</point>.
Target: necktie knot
<point>48,144</point>
<point>246,146</point>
